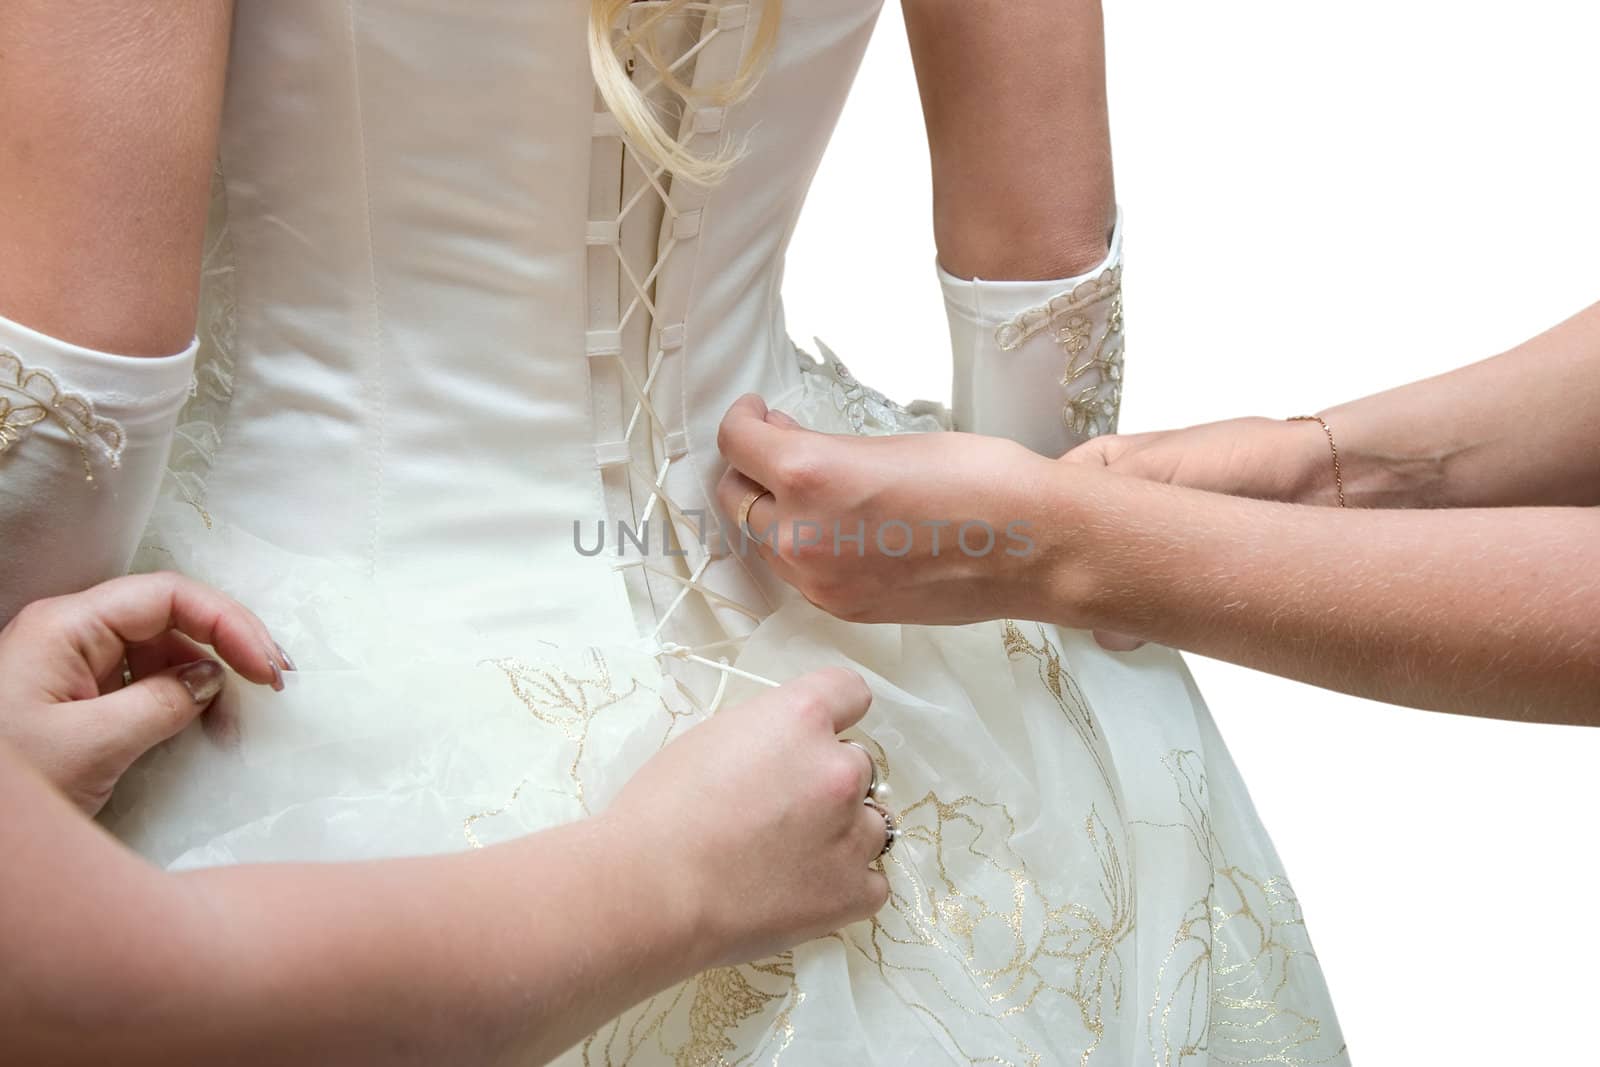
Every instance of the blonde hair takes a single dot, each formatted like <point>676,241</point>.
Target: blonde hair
<point>640,124</point>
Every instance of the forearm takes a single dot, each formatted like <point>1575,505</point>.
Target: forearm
<point>106,154</point>
<point>1013,93</point>
<point>1491,612</point>
<point>1522,428</point>
<point>512,953</point>
<point>107,146</point>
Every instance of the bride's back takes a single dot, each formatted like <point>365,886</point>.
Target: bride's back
<point>437,284</point>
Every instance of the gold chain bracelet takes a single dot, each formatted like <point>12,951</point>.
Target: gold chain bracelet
<point>1338,475</point>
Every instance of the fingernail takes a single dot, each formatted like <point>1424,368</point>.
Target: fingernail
<point>277,674</point>
<point>288,664</point>
<point>202,679</point>
<point>1115,642</point>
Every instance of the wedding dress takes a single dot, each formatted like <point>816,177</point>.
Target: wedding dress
<point>455,329</point>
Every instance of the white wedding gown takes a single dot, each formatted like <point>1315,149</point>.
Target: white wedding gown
<point>448,315</point>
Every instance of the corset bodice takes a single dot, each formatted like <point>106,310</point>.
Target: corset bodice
<point>439,285</point>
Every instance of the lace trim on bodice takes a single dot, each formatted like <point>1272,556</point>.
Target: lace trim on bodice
<point>199,433</point>
<point>864,409</point>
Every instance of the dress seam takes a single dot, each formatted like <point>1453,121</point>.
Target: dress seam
<point>377,444</point>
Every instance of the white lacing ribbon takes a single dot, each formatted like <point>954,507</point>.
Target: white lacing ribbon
<point>717,19</point>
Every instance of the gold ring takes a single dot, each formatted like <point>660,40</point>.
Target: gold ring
<point>875,786</point>
<point>745,505</point>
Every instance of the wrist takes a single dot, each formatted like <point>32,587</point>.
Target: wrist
<point>1313,464</point>
<point>1381,463</point>
<point>1040,509</point>
<point>1075,579</point>
<point>656,904</point>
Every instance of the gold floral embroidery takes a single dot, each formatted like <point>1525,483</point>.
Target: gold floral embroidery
<point>966,884</point>
<point>723,999</point>
<point>784,1023</point>
<point>711,1018</point>
<point>1092,376</point>
<point>715,1018</point>
<point>1063,689</point>
<point>1219,990</point>
<point>567,701</point>
<point>962,894</point>
<point>30,395</point>
<point>477,817</point>
<point>959,891</point>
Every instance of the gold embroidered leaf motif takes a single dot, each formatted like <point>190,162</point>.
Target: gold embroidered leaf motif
<point>1092,374</point>
<point>567,701</point>
<point>960,891</point>
<point>723,1017</point>
<point>30,395</point>
<point>1074,333</point>
<point>723,999</point>
<point>1063,689</point>
<point>1221,990</point>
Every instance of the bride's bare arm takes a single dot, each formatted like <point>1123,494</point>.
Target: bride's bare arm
<point>108,132</point>
<point>1013,93</point>
<point>1024,213</point>
<point>106,152</point>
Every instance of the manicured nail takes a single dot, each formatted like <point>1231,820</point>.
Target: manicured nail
<point>277,659</point>
<point>203,680</point>
<point>781,418</point>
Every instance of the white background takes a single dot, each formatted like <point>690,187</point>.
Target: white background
<point>1321,201</point>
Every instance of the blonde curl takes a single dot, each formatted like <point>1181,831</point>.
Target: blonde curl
<point>640,124</point>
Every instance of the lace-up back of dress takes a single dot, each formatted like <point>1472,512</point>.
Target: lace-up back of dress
<point>643,223</point>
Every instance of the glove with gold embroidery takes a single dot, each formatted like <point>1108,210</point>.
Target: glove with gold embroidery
<point>1039,362</point>
<point>84,437</point>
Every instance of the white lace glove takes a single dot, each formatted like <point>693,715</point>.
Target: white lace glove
<point>84,437</point>
<point>1038,362</point>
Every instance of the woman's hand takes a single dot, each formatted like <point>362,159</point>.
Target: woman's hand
<point>63,703</point>
<point>744,836</point>
<point>756,822</point>
<point>928,528</point>
<point>1268,459</point>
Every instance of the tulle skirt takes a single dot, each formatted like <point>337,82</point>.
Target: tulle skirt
<point>1082,878</point>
